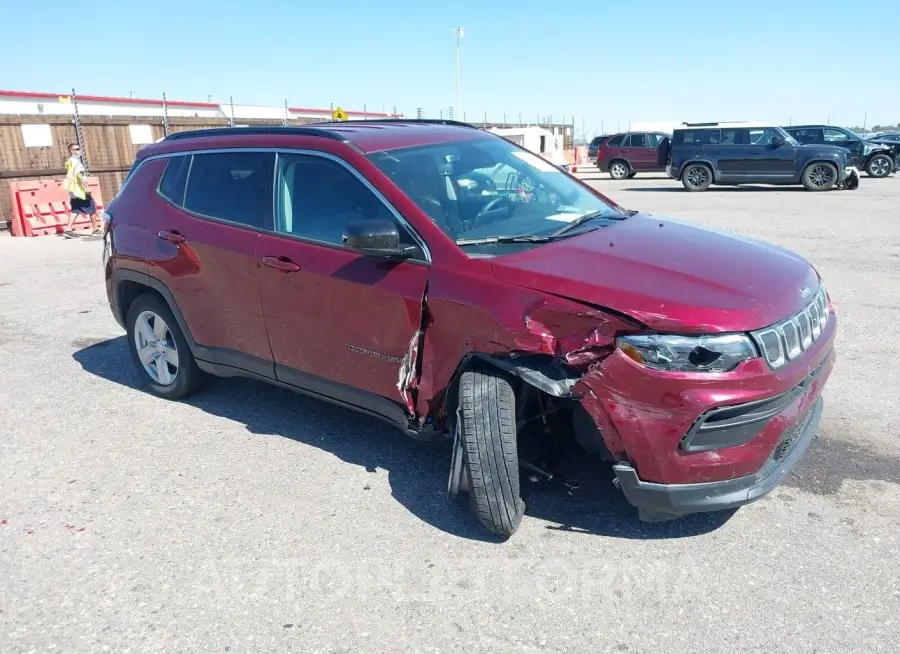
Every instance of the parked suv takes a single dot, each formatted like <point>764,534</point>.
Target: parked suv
<point>594,146</point>
<point>455,285</point>
<point>877,159</point>
<point>702,154</point>
<point>626,155</point>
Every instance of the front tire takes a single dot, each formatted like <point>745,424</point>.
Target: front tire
<point>879,166</point>
<point>619,169</point>
<point>697,177</point>
<point>486,460</point>
<point>159,350</point>
<point>820,176</point>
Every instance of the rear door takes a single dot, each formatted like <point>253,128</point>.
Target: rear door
<point>639,152</point>
<point>203,248</point>
<point>340,323</point>
<point>610,150</point>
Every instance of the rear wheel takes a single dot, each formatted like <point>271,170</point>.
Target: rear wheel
<point>697,177</point>
<point>159,349</point>
<point>820,176</point>
<point>485,458</point>
<point>619,169</point>
<point>879,165</point>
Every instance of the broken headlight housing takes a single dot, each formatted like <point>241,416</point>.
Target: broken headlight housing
<point>717,353</point>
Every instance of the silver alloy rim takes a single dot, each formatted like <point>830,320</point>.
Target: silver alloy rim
<point>618,170</point>
<point>697,176</point>
<point>821,176</point>
<point>156,348</point>
<point>880,166</point>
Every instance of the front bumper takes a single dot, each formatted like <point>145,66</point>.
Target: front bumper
<point>665,501</point>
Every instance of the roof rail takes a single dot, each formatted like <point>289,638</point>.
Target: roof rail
<point>289,130</point>
<point>713,124</point>
<point>406,121</point>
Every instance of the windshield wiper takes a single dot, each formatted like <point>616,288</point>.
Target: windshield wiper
<point>488,240</point>
<point>578,222</point>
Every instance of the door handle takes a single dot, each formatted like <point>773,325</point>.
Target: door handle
<point>171,237</point>
<point>280,263</point>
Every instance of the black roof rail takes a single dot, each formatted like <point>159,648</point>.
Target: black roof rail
<point>714,124</point>
<point>407,121</point>
<point>256,129</point>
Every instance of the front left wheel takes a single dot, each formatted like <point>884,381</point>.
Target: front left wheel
<point>159,350</point>
<point>485,458</point>
<point>820,176</point>
<point>879,165</point>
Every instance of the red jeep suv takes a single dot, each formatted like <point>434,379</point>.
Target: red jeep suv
<point>453,284</point>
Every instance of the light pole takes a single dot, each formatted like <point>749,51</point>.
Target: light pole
<point>459,34</point>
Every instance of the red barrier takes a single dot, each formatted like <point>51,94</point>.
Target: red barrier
<point>41,207</point>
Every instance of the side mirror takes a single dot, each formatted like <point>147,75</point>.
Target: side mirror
<point>374,237</point>
<point>777,141</point>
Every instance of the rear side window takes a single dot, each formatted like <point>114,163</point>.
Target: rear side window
<point>695,137</point>
<point>173,181</point>
<point>615,141</point>
<point>638,141</point>
<point>232,186</point>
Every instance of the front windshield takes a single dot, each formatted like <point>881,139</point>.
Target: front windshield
<point>488,187</point>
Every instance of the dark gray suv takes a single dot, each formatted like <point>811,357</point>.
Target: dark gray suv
<point>702,154</point>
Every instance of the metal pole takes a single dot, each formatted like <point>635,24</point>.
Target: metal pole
<point>459,34</point>
<point>79,135</point>
<point>441,113</point>
<point>365,113</point>
<point>284,120</point>
<point>165,116</point>
<point>231,120</point>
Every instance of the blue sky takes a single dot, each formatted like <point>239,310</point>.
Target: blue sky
<point>601,61</point>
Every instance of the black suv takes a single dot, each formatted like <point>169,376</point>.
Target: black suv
<point>701,154</point>
<point>877,159</point>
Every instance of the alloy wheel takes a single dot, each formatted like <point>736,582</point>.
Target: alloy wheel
<point>822,176</point>
<point>697,176</point>
<point>619,171</point>
<point>880,167</point>
<point>156,348</point>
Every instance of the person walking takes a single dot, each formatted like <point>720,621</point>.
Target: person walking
<point>80,198</point>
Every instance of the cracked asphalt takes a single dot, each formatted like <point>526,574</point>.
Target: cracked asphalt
<point>250,519</point>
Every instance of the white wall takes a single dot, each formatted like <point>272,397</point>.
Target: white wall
<point>51,107</point>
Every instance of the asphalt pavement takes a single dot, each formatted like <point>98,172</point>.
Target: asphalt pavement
<point>250,519</point>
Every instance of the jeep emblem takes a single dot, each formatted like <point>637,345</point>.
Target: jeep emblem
<point>805,292</point>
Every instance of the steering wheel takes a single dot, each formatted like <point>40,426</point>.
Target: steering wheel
<point>492,206</point>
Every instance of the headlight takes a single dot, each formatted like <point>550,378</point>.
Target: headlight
<point>688,353</point>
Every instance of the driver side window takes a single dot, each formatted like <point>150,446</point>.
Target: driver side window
<point>317,199</point>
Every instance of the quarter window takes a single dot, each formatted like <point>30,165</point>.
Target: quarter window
<point>318,198</point>
<point>615,141</point>
<point>232,186</point>
<point>174,179</point>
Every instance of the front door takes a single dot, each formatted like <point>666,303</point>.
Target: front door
<point>844,139</point>
<point>640,154</point>
<point>340,323</point>
<point>769,160</point>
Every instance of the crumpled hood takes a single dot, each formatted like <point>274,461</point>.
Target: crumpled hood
<point>669,275</point>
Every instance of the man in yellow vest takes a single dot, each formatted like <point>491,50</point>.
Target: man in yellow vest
<point>79,196</point>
